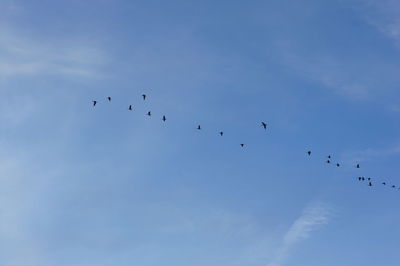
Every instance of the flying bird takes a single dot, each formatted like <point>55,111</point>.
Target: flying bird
<point>149,113</point>
<point>329,156</point>
<point>130,108</point>
<point>393,186</point>
<point>198,127</point>
<point>264,125</point>
<point>94,103</point>
<point>309,153</point>
<point>337,164</point>
<point>109,98</point>
<point>358,165</point>
<point>384,183</point>
<point>221,133</point>
<point>328,161</point>
<point>164,118</point>
<point>242,144</point>
<point>370,184</point>
<point>144,96</point>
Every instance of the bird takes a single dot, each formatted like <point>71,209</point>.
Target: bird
<point>363,178</point>
<point>242,144</point>
<point>358,165</point>
<point>221,133</point>
<point>198,127</point>
<point>144,96</point>
<point>384,183</point>
<point>369,178</point>
<point>164,118</point>
<point>337,164</point>
<point>329,156</point>
<point>109,98</point>
<point>393,186</point>
<point>328,161</point>
<point>264,125</point>
<point>149,113</point>
<point>130,108</point>
<point>359,178</point>
<point>309,153</point>
<point>370,184</point>
<point>94,103</point>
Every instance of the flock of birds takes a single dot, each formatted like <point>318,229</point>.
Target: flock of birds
<point>360,178</point>
<point>264,126</point>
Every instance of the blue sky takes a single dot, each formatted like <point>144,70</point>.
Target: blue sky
<point>104,186</point>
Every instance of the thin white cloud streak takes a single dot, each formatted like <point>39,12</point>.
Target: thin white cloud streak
<point>24,56</point>
<point>384,15</point>
<point>356,78</point>
<point>370,153</point>
<point>311,219</point>
<point>329,71</point>
<point>10,7</point>
<point>229,224</point>
<point>351,79</point>
<point>395,108</point>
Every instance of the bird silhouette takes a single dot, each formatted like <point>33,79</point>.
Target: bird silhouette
<point>264,125</point>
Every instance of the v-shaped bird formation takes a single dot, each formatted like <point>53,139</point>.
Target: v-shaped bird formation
<point>369,182</point>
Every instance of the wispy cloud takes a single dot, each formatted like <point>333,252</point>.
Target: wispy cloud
<point>331,72</point>
<point>359,70</point>
<point>371,153</point>
<point>10,7</point>
<point>29,56</point>
<point>384,15</point>
<point>395,108</point>
<point>311,219</point>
